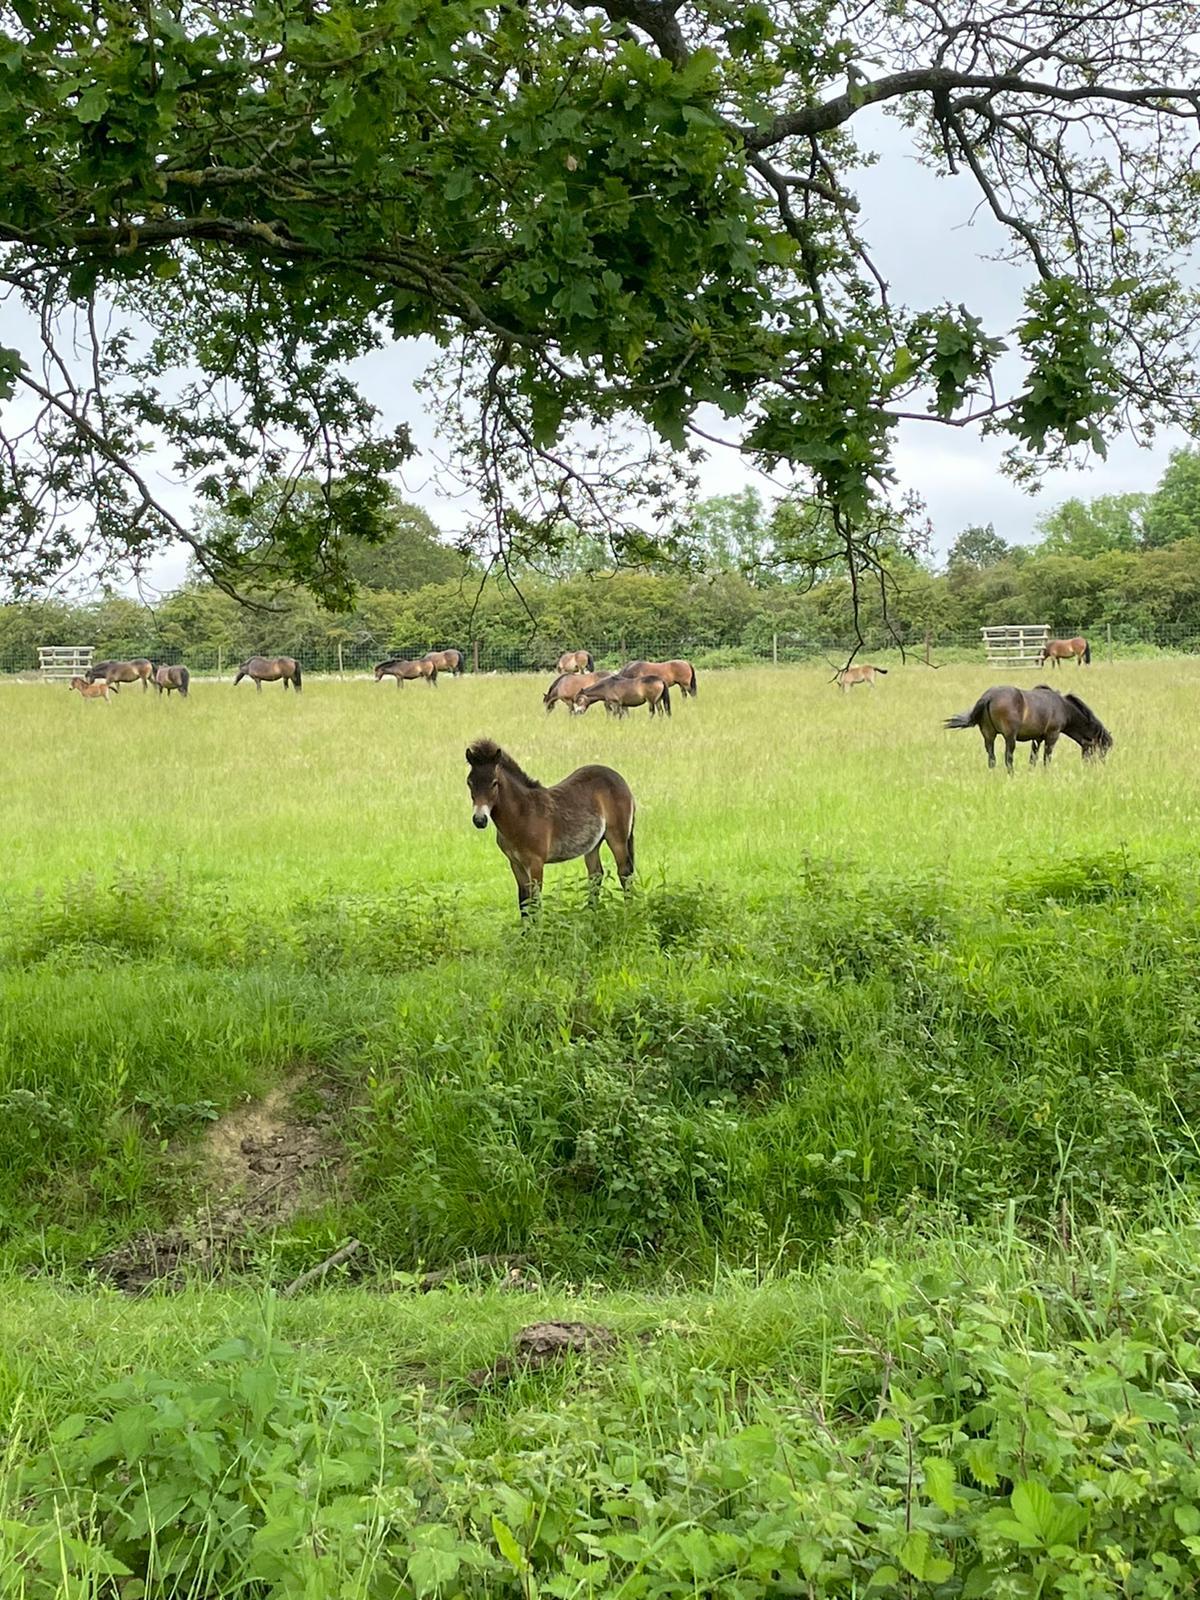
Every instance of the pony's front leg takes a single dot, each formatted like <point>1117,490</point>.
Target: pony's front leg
<point>258,685</point>
<point>1048,749</point>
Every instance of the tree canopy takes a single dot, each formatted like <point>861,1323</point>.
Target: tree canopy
<point>610,215</point>
<point>976,548</point>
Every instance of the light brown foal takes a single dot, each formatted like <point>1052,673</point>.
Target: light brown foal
<point>849,676</point>
<point>90,691</point>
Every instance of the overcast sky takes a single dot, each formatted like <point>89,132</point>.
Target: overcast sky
<point>932,247</point>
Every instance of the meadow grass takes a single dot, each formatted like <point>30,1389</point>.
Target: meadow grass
<point>871,1124</point>
<point>359,786</point>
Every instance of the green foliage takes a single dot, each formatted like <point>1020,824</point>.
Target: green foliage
<point>977,548</point>
<point>1174,510</point>
<point>996,1424</point>
<point>603,219</point>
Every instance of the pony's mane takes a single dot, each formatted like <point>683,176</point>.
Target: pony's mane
<point>555,685</point>
<point>1085,711</point>
<point>487,753</point>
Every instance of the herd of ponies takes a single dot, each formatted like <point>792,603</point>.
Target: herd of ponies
<point>594,806</point>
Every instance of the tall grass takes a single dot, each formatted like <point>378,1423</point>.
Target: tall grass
<point>874,1110</point>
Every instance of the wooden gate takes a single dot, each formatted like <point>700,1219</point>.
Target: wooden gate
<point>1018,645</point>
<point>63,661</point>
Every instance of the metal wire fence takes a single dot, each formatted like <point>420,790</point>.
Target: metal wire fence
<point>357,658</point>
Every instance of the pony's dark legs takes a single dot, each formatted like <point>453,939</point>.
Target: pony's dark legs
<point>989,744</point>
<point>258,685</point>
<point>595,874</point>
<point>1010,745</point>
<point>1048,751</point>
<point>1033,752</point>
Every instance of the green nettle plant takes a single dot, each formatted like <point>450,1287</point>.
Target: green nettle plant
<point>609,214</point>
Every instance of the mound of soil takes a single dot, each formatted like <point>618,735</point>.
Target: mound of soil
<point>260,1165</point>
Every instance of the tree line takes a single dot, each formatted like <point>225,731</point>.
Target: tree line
<point>1130,562</point>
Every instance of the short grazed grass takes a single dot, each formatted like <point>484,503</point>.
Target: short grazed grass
<point>871,1123</point>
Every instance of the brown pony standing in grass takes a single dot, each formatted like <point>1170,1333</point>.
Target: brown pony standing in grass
<point>90,691</point>
<point>445,661</point>
<point>114,672</point>
<point>1033,716</point>
<point>400,669</point>
<point>1056,651</point>
<point>591,807</point>
<point>169,678</point>
<point>576,661</point>
<point>848,676</point>
<point>618,694</point>
<point>568,685</point>
<point>269,669</point>
<point>675,674</point>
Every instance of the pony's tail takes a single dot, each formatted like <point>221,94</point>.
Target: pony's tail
<point>629,842</point>
<point>692,685</point>
<point>241,673</point>
<point>297,679</point>
<point>591,665</point>
<point>882,671</point>
<point>666,699</point>
<point>967,719</point>
<point>1087,654</point>
<point>185,679</point>
<point>461,667</point>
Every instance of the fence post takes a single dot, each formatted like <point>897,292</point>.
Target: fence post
<point>1108,636</point>
<point>775,649</point>
<point>220,662</point>
<point>475,654</point>
<point>341,672</point>
<point>928,643</point>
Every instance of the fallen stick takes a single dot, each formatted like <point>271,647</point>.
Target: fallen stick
<point>335,1260</point>
<point>435,1280</point>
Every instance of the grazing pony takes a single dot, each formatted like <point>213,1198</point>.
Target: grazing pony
<point>269,669</point>
<point>114,672</point>
<point>591,807</point>
<point>169,678</point>
<point>400,669</point>
<point>446,661</point>
<point>618,694</point>
<point>1057,651</point>
<point>1035,716</point>
<point>848,676</point>
<point>675,674</point>
<point>567,685</point>
<point>576,661</point>
<point>90,691</point>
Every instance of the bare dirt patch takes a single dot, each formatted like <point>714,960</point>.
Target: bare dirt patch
<point>259,1165</point>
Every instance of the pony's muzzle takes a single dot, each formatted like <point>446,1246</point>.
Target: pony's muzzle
<point>480,817</point>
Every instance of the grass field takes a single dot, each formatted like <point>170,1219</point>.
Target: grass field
<point>870,1126</point>
<point>360,786</point>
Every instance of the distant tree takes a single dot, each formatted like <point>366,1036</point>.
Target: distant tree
<point>1090,527</point>
<point>260,535</point>
<point>978,547</point>
<point>730,532</point>
<point>1174,509</point>
<point>409,556</point>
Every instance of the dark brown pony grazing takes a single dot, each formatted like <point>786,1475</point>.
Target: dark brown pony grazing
<point>618,694</point>
<point>567,685</point>
<point>269,669</point>
<point>593,806</point>
<point>169,678</point>
<point>576,661</point>
<point>1058,650</point>
<point>90,691</point>
<point>1036,716</point>
<point>114,672</point>
<point>446,661</point>
<point>400,669</point>
<point>675,674</point>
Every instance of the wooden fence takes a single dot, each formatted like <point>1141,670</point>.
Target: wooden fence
<point>1019,645</point>
<point>63,661</point>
